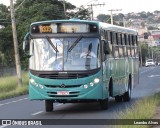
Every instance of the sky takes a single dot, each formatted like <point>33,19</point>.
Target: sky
<point>126,6</point>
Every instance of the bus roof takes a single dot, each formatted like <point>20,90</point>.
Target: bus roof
<point>101,25</point>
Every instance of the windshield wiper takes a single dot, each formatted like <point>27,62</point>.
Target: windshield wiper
<point>75,43</point>
<point>50,42</point>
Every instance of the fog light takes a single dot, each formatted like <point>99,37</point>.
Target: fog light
<point>41,86</point>
<point>96,80</point>
<point>91,84</point>
<point>36,84</point>
<point>85,86</point>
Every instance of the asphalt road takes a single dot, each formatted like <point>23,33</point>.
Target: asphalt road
<point>22,108</point>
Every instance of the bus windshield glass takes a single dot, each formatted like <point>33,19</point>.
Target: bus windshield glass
<point>68,54</point>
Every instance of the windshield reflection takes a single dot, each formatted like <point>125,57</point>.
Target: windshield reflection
<point>85,55</point>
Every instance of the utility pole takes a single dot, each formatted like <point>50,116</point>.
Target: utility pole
<point>17,58</point>
<point>112,13</point>
<point>91,6</point>
<point>140,52</point>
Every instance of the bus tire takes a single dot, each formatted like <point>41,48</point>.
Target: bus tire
<point>111,87</point>
<point>118,98</point>
<point>104,104</point>
<point>127,95</point>
<point>49,105</point>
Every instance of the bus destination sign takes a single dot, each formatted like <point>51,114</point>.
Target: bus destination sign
<point>62,28</point>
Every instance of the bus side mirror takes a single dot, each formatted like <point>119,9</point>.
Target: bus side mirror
<point>106,48</point>
<point>26,42</point>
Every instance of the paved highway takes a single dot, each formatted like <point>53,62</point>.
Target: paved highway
<point>22,108</point>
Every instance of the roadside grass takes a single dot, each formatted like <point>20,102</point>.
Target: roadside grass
<point>142,109</point>
<point>9,86</point>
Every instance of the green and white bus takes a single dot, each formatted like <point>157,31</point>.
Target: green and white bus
<point>81,61</point>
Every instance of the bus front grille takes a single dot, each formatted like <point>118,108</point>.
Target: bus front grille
<point>60,86</point>
<point>63,76</point>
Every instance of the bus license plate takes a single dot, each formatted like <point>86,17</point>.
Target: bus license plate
<point>62,93</point>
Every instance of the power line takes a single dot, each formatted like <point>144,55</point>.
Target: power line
<point>91,6</point>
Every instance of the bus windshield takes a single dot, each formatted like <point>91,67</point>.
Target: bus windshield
<point>64,54</point>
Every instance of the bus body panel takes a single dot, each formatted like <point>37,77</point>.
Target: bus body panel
<point>49,90</point>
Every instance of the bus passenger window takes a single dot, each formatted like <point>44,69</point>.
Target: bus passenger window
<point>133,40</point>
<point>121,54</point>
<point>136,40</point>
<point>116,38</point>
<point>109,40</point>
<point>119,38</point>
<point>129,41</point>
<point>106,35</point>
<point>125,39</point>
<point>102,35</point>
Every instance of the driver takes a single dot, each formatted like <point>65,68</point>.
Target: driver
<point>87,54</point>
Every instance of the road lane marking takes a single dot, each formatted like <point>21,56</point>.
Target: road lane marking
<point>147,70</point>
<point>15,101</point>
<point>37,113</point>
<point>154,76</point>
<point>34,114</point>
<point>3,126</point>
<point>59,105</point>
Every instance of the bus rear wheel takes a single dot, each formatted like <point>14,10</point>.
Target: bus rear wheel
<point>104,104</point>
<point>127,95</point>
<point>49,105</point>
<point>118,98</point>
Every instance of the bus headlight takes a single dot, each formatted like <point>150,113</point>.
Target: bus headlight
<point>96,80</point>
<point>32,81</point>
<point>41,86</point>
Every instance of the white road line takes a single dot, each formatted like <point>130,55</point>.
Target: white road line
<point>58,105</point>
<point>3,126</point>
<point>15,101</point>
<point>43,111</point>
<point>37,113</point>
<point>154,76</point>
<point>146,70</point>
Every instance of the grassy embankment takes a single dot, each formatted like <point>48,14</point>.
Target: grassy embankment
<point>9,87</point>
<point>142,109</point>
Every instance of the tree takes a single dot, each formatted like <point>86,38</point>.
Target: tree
<point>3,15</point>
<point>80,13</point>
<point>142,24</point>
<point>144,50</point>
<point>143,15</point>
<point>156,11</point>
<point>103,18</point>
<point>119,17</point>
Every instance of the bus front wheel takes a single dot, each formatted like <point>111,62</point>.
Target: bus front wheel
<point>49,105</point>
<point>104,104</point>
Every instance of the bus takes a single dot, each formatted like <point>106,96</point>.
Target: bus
<point>81,61</point>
